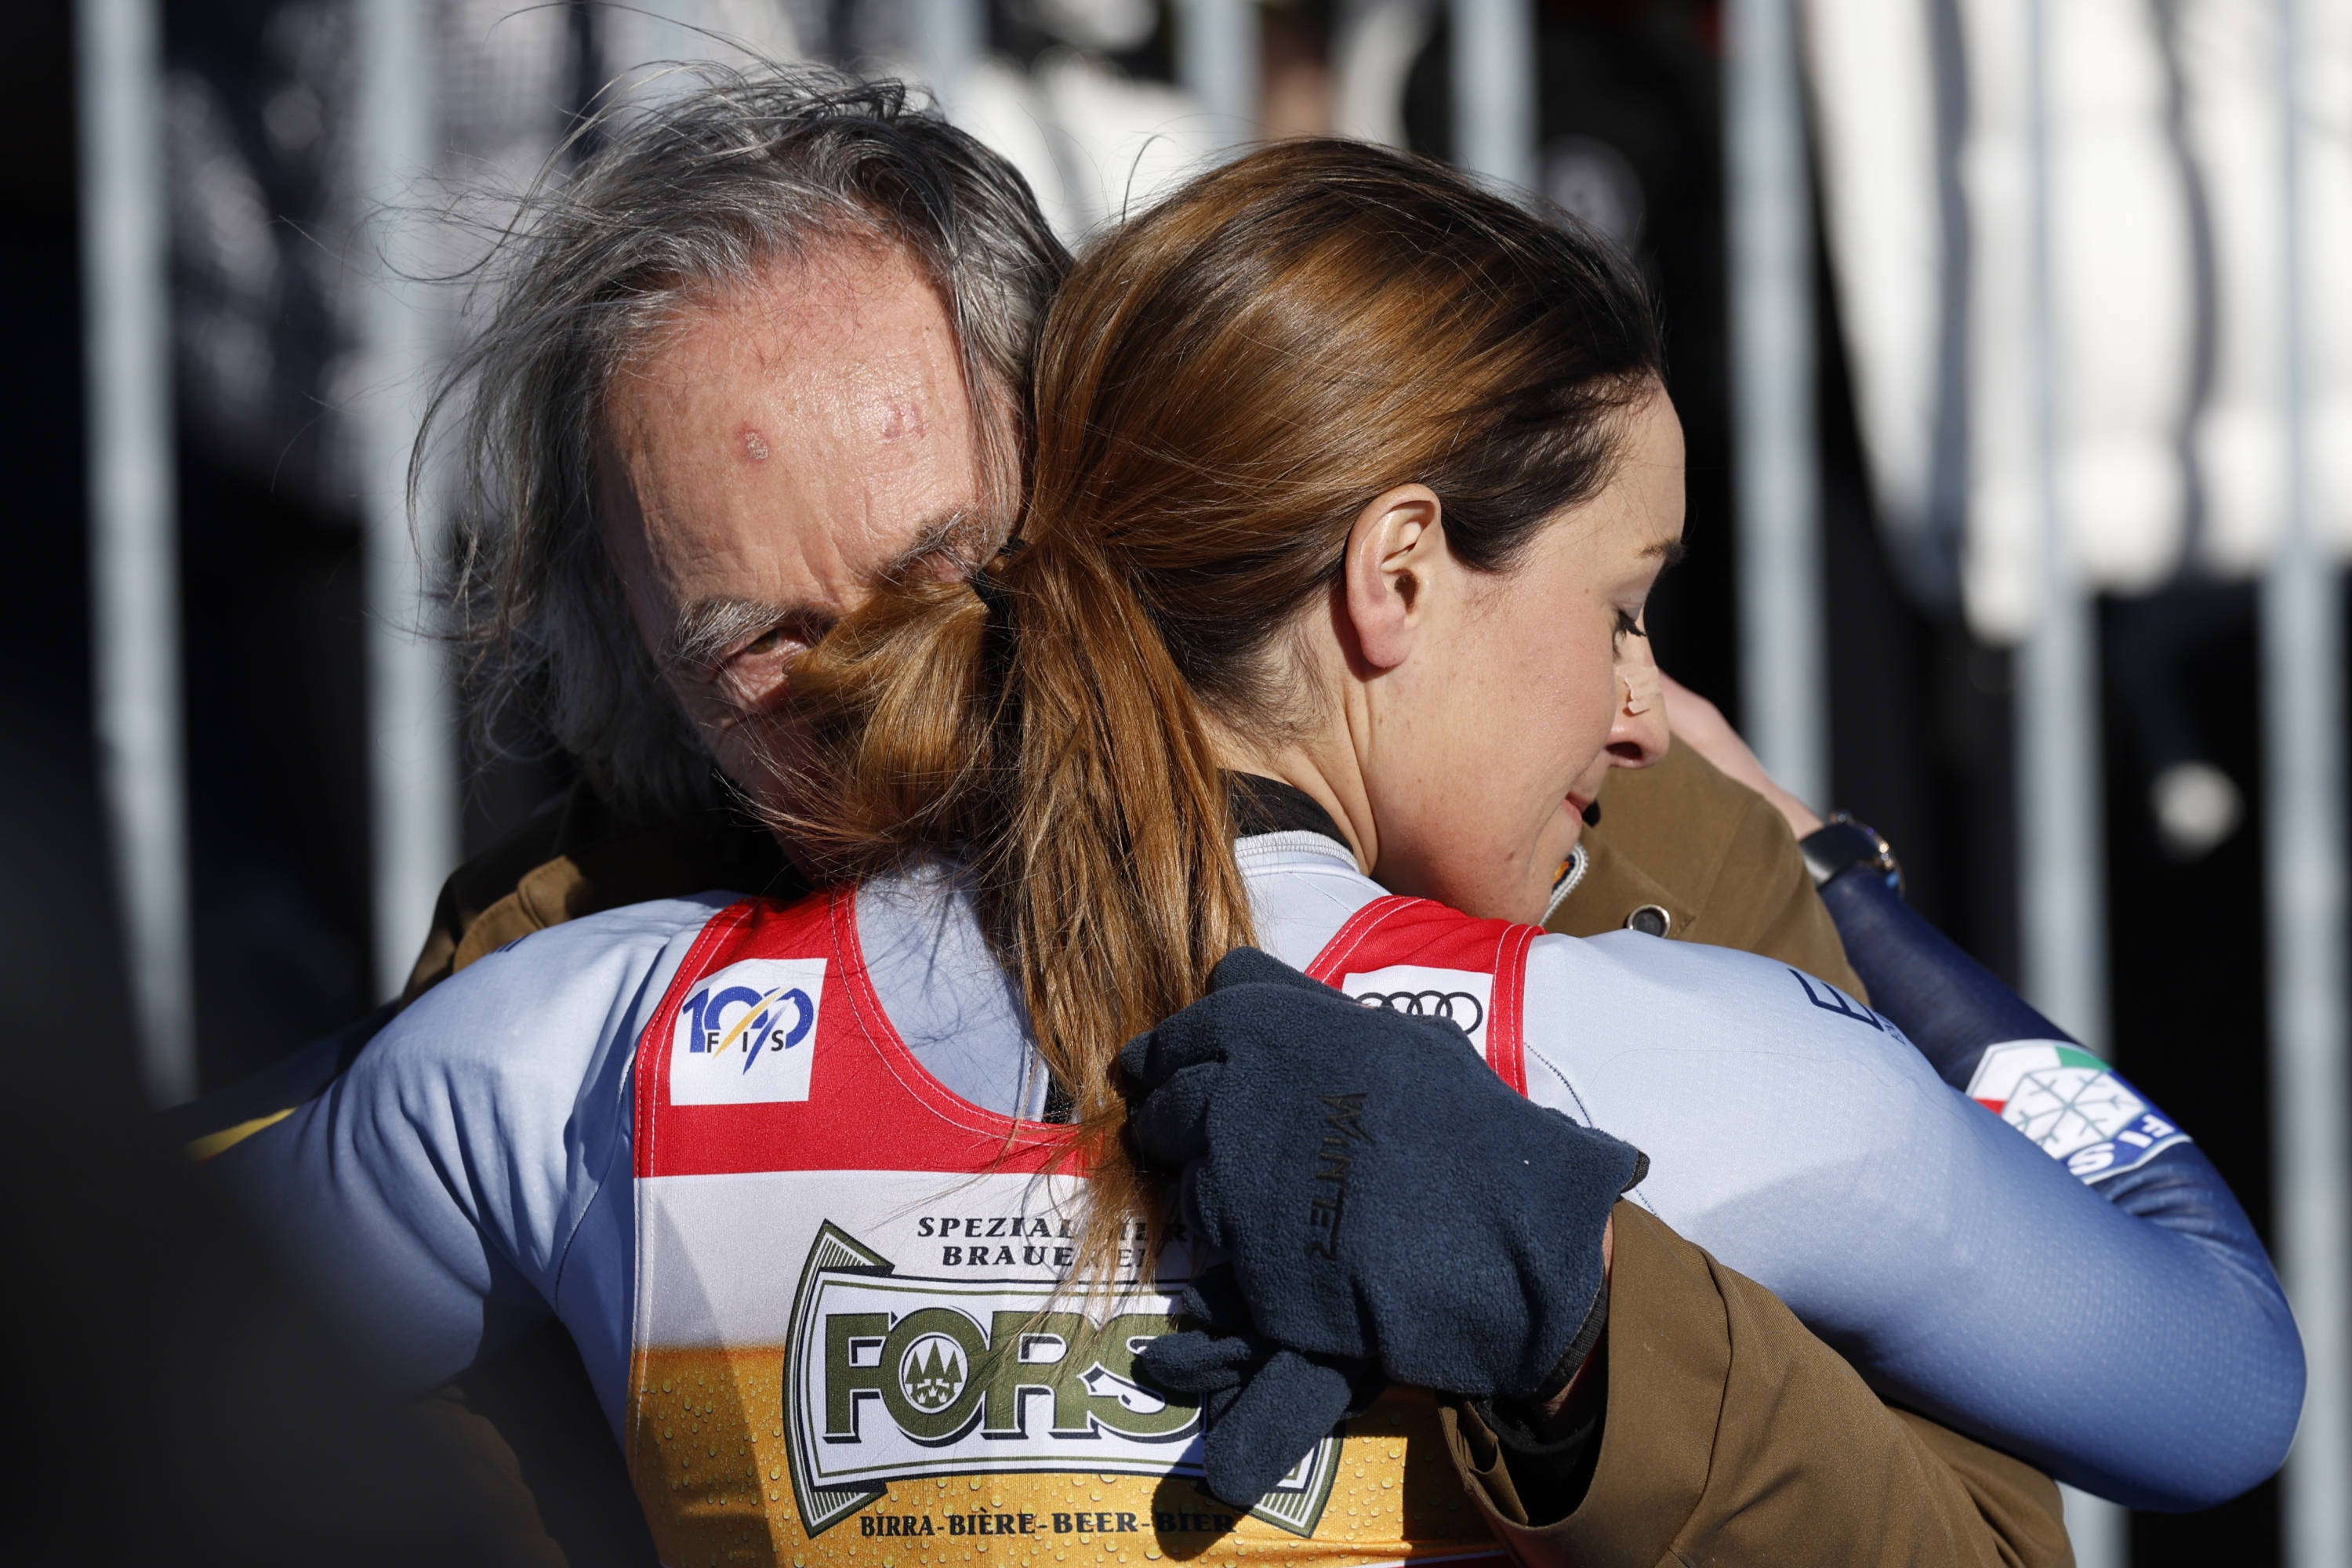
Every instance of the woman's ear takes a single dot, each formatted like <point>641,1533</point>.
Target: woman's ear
<point>1394,551</point>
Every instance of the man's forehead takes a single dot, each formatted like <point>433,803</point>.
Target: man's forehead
<point>830,395</point>
<point>832,290</point>
<point>841,338</point>
<point>779,450</point>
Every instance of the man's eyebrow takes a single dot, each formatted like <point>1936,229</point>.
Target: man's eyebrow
<point>959,539</point>
<point>706,631</point>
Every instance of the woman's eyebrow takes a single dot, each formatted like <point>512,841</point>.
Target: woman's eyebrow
<point>1669,551</point>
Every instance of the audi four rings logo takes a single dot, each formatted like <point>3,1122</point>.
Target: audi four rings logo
<point>1458,1008</point>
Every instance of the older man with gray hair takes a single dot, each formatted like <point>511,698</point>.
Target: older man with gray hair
<point>769,344</point>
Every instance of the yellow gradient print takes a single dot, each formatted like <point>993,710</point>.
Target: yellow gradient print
<point>708,1455</point>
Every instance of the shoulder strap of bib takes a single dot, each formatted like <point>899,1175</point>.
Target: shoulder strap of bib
<point>770,1051</point>
<point>1422,946</point>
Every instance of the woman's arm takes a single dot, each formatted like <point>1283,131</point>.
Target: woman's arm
<point>1955,1011</point>
<point>1967,1024</point>
<point>1800,1139</point>
<point>1980,1037</point>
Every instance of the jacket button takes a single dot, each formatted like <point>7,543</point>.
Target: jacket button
<point>1650,920</point>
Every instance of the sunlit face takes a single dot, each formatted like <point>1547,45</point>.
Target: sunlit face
<point>765,462</point>
<point>1487,743</point>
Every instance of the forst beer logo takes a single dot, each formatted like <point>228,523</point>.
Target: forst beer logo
<point>747,1034</point>
<point>891,1377</point>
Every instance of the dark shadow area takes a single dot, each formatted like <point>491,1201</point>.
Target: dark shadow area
<point>188,1405</point>
<point>192,1407</point>
<point>276,672</point>
<point>527,1415</point>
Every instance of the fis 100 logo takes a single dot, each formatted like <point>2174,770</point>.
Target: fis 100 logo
<point>747,1034</point>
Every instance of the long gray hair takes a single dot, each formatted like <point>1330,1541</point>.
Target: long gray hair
<point>701,192</point>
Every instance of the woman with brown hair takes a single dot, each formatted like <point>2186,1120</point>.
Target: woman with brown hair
<point>1351,481</point>
<point>1350,485</point>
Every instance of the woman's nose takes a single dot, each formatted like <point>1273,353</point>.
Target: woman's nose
<point>1637,736</point>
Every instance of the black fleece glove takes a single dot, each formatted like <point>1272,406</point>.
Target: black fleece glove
<point>1264,1405</point>
<point>1381,1194</point>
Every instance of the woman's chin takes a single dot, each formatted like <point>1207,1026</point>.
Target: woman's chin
<point>1529,898</point>
<point>1571,829</point>
<point>1563,833</point>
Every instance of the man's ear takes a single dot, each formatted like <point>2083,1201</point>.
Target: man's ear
<point>1393,551</point>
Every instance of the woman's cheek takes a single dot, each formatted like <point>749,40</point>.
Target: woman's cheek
<point>1589,708</point>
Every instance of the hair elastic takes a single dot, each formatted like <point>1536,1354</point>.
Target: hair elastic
<point>994,597</point>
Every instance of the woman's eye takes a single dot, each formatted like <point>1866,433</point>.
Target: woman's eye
<point>1629,626</point>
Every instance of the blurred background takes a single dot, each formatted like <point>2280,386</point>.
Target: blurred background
<point>2012,339</point>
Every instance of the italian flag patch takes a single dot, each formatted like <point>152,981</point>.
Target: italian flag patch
<point>2072,1105</point>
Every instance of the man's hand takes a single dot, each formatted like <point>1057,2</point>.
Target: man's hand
<point>1701,725</point>
<point>1264,1405</point>
<point>1380,1195</point>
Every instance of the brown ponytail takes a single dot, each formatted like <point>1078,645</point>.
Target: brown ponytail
<point>1222,385</point>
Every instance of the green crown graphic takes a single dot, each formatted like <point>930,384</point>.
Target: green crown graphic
<point>933,1383</point>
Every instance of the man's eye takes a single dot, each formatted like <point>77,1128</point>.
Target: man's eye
<point>755,675</point>
<point>767,642</point>
<point>1630,626</point>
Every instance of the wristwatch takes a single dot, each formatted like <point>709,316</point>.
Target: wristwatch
<point>1843,844</point>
